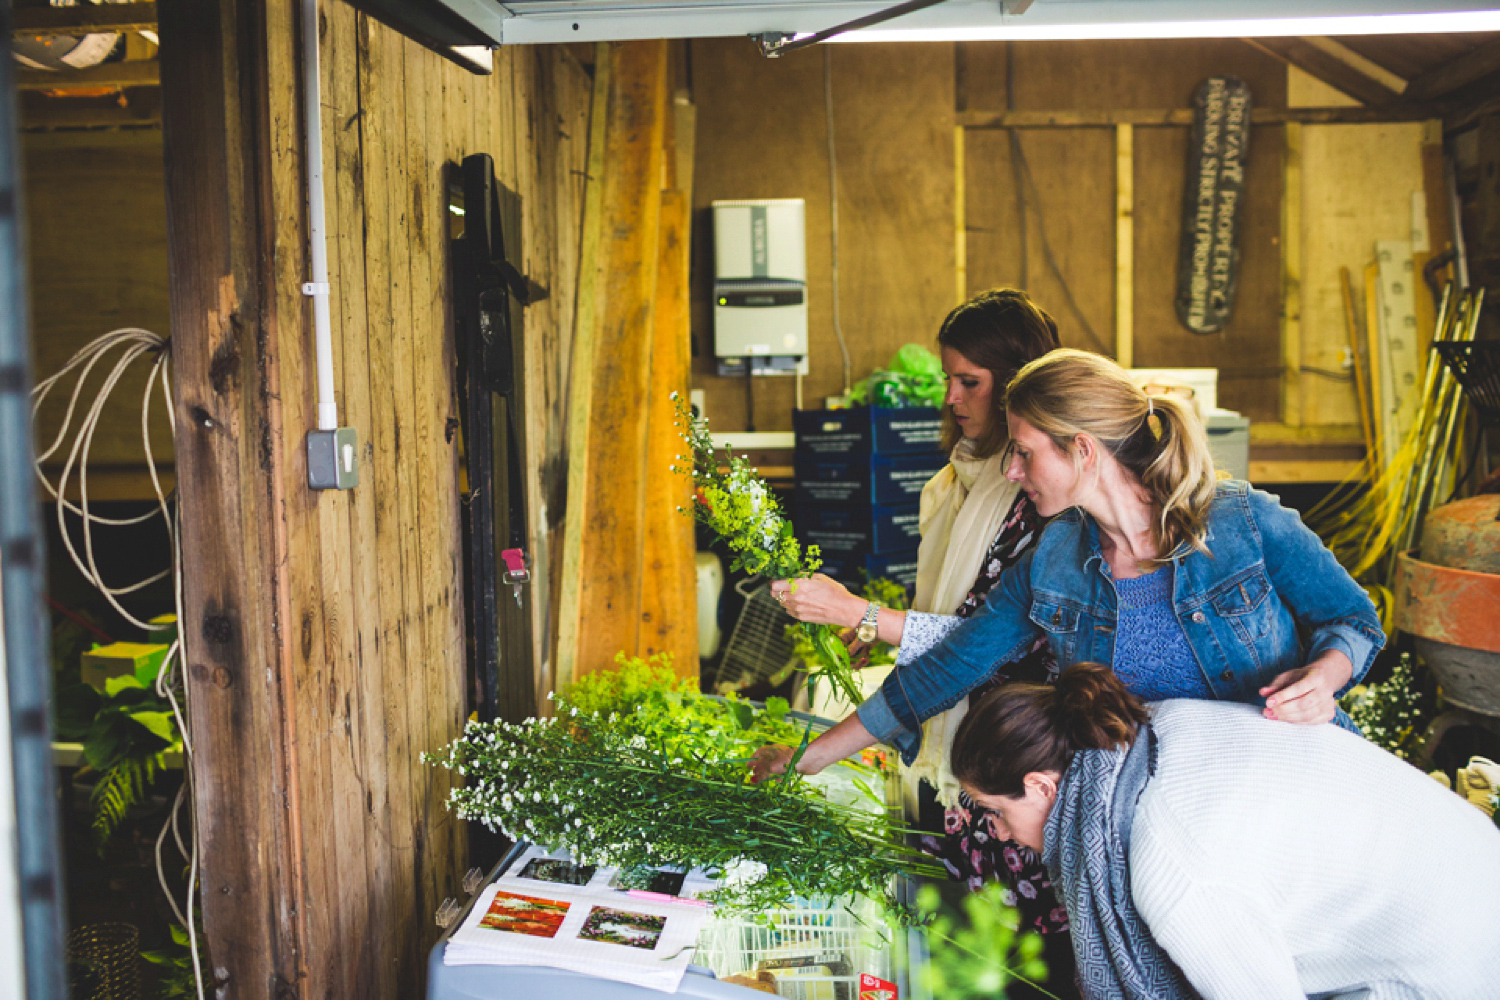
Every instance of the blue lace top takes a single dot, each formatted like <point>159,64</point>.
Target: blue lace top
<point>1152,655</point>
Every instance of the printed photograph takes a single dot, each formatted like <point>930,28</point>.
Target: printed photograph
<point>553,870</point>
<point>635,930</point>
<point>667,881</point>
<point>525,915</point>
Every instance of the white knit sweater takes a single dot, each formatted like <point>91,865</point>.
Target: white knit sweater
<point>1276,862</point>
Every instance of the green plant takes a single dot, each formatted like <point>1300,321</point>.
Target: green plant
<point>883,591</point>
<point>176,960</point>
<point>1388,714</point>
<point>655,774</point>
<point>976,956</point>
<point>126,734</point>
<point>731,499</point>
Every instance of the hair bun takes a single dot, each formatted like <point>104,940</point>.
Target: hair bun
<point>1094,708</point>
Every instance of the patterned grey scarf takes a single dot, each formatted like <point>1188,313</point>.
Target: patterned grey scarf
<point>1088,851</point>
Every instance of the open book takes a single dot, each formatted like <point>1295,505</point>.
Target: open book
<point>635,926</point>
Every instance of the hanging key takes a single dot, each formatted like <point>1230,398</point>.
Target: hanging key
<point>517,573</point>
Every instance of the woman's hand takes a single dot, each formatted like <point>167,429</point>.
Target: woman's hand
<point>1306,696</point>
<point>859,650</point>
<point>819,600</point>
<point>768,760</point>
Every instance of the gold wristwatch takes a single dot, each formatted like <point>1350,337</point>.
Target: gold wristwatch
<point>868,624</point>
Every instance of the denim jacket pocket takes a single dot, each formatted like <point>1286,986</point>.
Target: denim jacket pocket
<point>1244,601</point>
<point>1060,622</point>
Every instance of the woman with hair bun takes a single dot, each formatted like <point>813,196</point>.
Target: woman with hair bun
<point>1203,850</point>
<point>1186,585</point>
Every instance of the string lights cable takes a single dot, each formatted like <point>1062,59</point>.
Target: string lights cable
<point>133,344</point>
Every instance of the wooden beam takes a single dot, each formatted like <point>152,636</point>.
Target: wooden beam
<point>83,19</point>
<point>580,400</point>
<point>40,112</point>
<point>1125,245</point>
<point>1110,117</point>
<point>610,511</point>
<point>960,219</point>
<point>668,622</point>
<point>1330,69</point>
<point>1453,74</point>
<point>246,804</point>
<point>119,74</point>
<point>1291,277</point>
<point>1333,470</point>
<point>1344,54</point>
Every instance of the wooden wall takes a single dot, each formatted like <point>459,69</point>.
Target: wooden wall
<point>762,133</point>
<point>97,259</point>
<point>325,629</point>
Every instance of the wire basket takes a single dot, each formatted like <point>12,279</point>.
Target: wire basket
<point>758,647</point>
<point>813,951</point>
<point>110,956</point>
<point>1476,365</point>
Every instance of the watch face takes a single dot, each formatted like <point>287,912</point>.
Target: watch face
<point>866,633</point>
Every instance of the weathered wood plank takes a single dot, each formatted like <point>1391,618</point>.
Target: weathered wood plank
<point>227,385</point>
<point>1291,277</point>
<point>97,261</point>
<point>346,50</point>
<point>84,20</point>
<point>668,623</point>
<point>580,397</point>
<point>614,497</point>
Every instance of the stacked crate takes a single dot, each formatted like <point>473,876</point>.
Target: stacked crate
<point>860,474</point>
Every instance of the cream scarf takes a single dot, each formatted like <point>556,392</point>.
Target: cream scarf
<point>963,507</point>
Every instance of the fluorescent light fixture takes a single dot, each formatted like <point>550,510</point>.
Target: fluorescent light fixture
<point>1018,30</point>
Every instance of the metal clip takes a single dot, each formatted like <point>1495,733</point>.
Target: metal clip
<point>516,570</point>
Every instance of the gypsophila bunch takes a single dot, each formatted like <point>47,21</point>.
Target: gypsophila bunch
<point>1388,713</point>
<point>730,497</point>
<point>594,785</point>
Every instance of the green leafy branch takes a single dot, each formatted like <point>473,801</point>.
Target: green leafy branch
<point>127,733</point>
<point>731,499</point>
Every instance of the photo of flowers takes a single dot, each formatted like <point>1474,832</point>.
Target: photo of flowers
<point>667,881</point>
<point>636,930</point>
<point>525,915</point>
<point>555,870</point>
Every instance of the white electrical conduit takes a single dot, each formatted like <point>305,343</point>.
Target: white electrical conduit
<point>317,288</point>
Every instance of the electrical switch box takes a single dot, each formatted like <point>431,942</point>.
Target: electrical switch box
<point>760,286</point>
<point>332,459</point>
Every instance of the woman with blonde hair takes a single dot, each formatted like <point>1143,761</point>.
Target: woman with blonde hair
<point>1204,851</point>
<point>1188,586</point>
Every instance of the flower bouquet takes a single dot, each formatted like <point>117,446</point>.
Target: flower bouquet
<point>652,773</point>
<point>732,499</point>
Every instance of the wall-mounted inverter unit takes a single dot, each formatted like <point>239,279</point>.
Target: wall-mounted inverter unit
<point>760,286</point>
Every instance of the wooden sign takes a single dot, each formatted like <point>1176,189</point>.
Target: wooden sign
<point>1208,263</point>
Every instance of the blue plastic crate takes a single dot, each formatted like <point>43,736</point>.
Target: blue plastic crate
<point>860,430</point>
<point>853,569</point>
<point>859,529</point>
<point>888,480</point>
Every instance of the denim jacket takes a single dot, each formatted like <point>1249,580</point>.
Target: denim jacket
<point>1269,598</point>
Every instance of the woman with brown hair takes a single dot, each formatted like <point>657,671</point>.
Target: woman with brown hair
<point>1205,851</point>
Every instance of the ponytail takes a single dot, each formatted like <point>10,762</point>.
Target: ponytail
<point>1158,439</point>
<point>1020,728</point>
